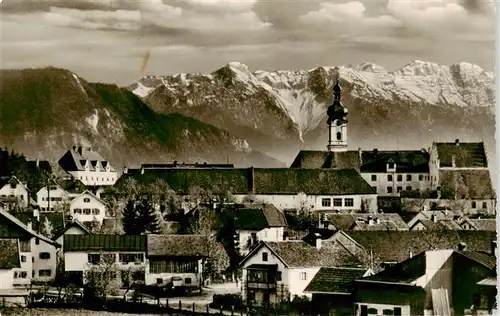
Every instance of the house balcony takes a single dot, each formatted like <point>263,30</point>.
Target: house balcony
<point>262,277</point>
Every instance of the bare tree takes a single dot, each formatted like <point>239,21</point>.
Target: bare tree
<point>47,228</point>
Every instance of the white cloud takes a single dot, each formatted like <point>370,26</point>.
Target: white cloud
<point>432,16</point>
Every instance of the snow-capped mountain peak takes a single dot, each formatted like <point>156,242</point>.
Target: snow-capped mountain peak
<point>303,96</point>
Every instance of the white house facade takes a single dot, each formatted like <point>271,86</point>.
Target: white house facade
<point>88,166</point>
<point>87,207</point>
<point>14,188</point>
<point>278,271</point>
<point>52,197</point>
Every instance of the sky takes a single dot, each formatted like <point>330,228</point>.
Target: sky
<point>110,40</point>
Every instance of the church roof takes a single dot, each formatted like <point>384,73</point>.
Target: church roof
<point>314,159</point>
<point>415,161</point>
<point>469,184</point>
<point>466,154</point>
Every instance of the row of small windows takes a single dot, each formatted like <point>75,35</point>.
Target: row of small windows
<point>52,199</point>
<point>125,258</point>
<point>96,178</point>
<point>399,189</point>
<point>42,255</point>
<point>13,196</point>
<point>474,204</point>
<point>399,177</point>
<point>24,274</point>
<point>327,202</point>
<point>87,211</point>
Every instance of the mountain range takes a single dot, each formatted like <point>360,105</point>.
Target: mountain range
<point>246,117</point>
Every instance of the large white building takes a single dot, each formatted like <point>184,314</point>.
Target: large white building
<point>88,166</point>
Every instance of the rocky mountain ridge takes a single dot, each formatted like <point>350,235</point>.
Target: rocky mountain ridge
<point>43,112</point>
<point>269,108</point>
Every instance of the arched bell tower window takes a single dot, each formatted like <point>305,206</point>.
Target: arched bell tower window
<point>339,136</point>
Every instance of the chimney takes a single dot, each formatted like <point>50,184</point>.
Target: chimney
<point>370,221</point>
<point>318,240</point>
<point>462,246</point>
<point>125,170</point>
<point>142,169</point>
<point>457,142</point>
<point>251,180</point>
<point>175,163</point>
<point>494,248</point>
<point>434,218</point>
<point>30,225</point>
<point>453,162</point>
<point>37,162</point>
<point>360,153</point>
<point>411,254</point>
<point>74,148</point>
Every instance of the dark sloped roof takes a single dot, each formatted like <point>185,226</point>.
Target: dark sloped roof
<point>296,253</point>
<point>221,180</point>
<point>74,223</point>
<point>314,159</point>
<point>415,161</point>
<point>468,184</point>
<point>261,180</point>
<point>74,160</point>
<point>390,221</point>
<point>274,216</point>
<point>247,218</point>
<point>341,221</point>
<point>404,272</point>
<point>395,246</point>
<point>486,259</point>
<point>334,254</point>
<point>178,245</point>
<point>466,154</point>
<point>484,224</point>
<point>14,221</point>
<point>310,181</point>
<point>105,243</point>
<point>9,253</point>
<point>72,185</point>
<point>334,280</point>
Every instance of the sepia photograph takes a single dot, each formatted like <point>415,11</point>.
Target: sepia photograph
<point>248,157</point>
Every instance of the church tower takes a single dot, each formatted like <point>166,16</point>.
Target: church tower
<point>337,122</point>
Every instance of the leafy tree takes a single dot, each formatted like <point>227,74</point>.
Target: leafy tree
<point>102,279</point>
<point>205,224</point>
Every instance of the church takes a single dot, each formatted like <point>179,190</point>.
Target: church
<point>446,173</point>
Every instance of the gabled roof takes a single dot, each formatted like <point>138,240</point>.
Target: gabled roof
<point>75,158</point>
<point>13,180</point>
<point>100,242</point>
<point>395,246</point>
<point>387,221</point>
<point>315,159</point>
<point>407,271</point>
<point>255,216</point>
<point>335,280</point>
<point>88,192</point>
<point>466,154</point>
<point>415,161</point>
<point>466,184</point>
<point>14,221</point>
<point>488,224</point>
<point>9,253</point>
<point>178,245</point>
<point>292,253</point>
<point>74,223</point>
